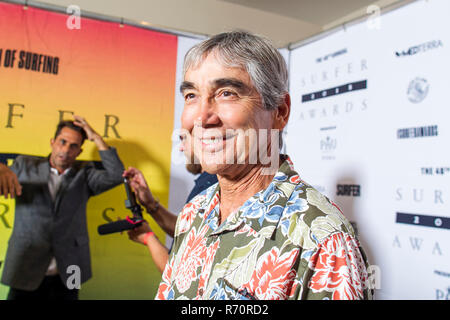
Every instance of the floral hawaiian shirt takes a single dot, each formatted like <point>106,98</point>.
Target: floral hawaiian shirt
<point>286,242</point>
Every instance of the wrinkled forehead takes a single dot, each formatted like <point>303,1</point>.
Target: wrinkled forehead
<point>212,72</point>
<point>193,61</point>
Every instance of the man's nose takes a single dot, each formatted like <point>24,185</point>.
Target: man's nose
<point>208,113</point>
<point>65,148</point>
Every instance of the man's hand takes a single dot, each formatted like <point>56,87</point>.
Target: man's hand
<point>139,234</point>
<point>9,184</point>
<point>140,187</point>
<point>92,135</point>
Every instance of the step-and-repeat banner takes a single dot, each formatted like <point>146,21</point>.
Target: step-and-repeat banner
<point>122,80</point>
<point>370,128</point>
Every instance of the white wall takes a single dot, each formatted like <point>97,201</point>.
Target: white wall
<point>352,140</point>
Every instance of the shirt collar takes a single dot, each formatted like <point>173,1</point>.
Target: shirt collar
<point>262,211</point>
<point>55,171</point>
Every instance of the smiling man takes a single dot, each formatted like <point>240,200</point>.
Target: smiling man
<point>50,237</point>
<point>258,233</point>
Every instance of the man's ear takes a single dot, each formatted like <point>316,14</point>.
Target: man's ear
<point>52,142</point>
<point>282,113</point>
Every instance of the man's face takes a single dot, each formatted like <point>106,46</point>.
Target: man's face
<point>65,148</point>
<point>221,107</point>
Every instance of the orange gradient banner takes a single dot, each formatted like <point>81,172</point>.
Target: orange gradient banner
<point>122,80</point>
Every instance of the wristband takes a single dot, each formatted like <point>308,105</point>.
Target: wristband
<point>148,234</point>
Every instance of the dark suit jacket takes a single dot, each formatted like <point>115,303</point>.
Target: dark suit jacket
<point>44,229</point>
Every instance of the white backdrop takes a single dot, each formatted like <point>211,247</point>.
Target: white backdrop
<point>370,128</point>
<point>374,137</point>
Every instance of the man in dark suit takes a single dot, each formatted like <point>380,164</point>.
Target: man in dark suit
<point>49,243</point>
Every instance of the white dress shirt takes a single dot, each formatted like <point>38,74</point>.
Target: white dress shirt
<point>54,183</point>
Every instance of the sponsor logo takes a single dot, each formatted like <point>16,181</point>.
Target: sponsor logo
<point>327,146</point>
<point>418,90</point>
<point>350,190</point>
<point>331,55</point>
<point>328,143</point>
<point>417,132</point>
<point>430,45</point>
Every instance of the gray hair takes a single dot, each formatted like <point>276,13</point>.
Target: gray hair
<point>255,54</point>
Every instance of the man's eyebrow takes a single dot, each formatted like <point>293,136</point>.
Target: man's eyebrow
<point>219,83</point>
<point>231,82</point>
<point>185,85</point>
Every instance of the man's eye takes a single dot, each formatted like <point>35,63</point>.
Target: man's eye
<point>227,93</point>
<point>189,96</point>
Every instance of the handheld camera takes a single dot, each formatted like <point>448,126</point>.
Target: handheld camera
<point>130,222</point>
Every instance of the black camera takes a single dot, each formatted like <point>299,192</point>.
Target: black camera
<point>130,222</point>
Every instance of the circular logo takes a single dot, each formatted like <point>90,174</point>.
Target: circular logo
<point>418,90</point>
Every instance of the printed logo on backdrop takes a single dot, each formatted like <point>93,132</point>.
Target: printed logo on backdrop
<point>417,90</point>
<point>417,132</point>
<point>442,293</point>
<point>435,171</point>
<point>20,59</point>
<point>431,197</point>
<point>331,55</point>
<point>434,199</point>
<point>442,273</point>
<point>415,244</point>
<point>328,143</point>
<point>329,92</point>
<point>322,102</point>
<point>423,220</point>
<point>427,46</point>
<point>348,190</point>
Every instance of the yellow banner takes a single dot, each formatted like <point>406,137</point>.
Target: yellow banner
<point>121,79</point>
